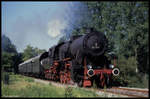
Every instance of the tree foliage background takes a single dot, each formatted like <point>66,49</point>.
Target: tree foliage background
<point>30,52</point>
<point>9,53</point>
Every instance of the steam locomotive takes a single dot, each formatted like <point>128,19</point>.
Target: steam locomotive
<point>80,60</point>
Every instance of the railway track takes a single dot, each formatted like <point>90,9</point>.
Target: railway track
<point>122,91</point>
<point>128,92</point>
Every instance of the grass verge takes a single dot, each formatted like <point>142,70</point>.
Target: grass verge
<point>21,86</point>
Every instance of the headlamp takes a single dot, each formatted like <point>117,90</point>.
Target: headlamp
<point>111,66</point>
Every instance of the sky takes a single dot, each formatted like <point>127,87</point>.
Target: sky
<point>39,24</point>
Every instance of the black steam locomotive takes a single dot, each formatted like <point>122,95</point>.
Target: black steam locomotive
<point>80,60</point>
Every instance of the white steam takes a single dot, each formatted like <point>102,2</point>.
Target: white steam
<point>55,28</point>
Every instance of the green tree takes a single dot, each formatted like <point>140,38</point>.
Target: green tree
<point>17,59</point>
<point>9,54</point>
<point>30,52</point>
<point>39,51</point>
<point>7,59</point>
<point>80,31</point>
<point>7,45</point>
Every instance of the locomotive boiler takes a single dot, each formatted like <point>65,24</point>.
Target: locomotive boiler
<point>80,60</point>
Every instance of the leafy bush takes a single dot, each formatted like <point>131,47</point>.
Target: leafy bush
<point>128,75</point>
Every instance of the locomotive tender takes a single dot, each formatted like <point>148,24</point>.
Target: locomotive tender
<point>81,60</point>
